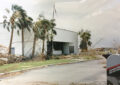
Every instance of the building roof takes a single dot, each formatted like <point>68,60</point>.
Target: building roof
<point>66,30</point>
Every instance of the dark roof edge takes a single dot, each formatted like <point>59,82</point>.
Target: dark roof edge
<point>66,30</point>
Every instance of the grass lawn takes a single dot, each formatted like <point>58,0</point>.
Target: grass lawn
<point>31,64</point>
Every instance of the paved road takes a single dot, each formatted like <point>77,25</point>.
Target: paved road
<point>90,71</point>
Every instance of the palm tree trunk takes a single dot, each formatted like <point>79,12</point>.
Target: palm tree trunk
<point>34,44</point>
<point>11,39</point>
<point>51,46</point>
<point>22,41</point>
<point>43,46</point>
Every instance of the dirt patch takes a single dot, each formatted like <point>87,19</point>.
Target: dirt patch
<point>10,74</point>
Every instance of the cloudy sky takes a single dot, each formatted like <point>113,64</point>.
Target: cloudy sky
<point>102,17</point>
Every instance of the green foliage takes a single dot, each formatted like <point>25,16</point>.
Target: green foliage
<point>44,29</point>
<point>52,30</point>
<point>41,28</point>
<point>22,22</point>
<point>11,22</point>
<point>85,39</point>
<point>18,19</point>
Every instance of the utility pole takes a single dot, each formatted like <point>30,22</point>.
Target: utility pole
<point>54,10</point>
<point>53,17</point>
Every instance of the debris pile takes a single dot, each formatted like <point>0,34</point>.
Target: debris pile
<point>6,59</point>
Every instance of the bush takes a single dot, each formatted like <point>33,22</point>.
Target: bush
<point>56,57</point>
<point>14,59</point>
<point>6,59</point>
<point>40,57</point>
<point>2,62</point>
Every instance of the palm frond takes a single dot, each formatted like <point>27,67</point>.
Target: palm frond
<point>8,28</point>
<point>18,25</point>
<point>89,43</point>
<point>54,32</point>
<point>4,17</point>
<point>7,10</point>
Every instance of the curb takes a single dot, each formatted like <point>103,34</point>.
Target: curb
<point>38,67</point>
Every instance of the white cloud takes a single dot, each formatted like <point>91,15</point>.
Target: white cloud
<point>97,13</point>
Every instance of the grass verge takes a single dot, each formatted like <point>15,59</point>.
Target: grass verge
<point>31,64</point>
<point>90,57</point>
<point>86,57</point>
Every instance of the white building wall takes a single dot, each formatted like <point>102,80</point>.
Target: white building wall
<point>17,41</point>
<point>67,36</point>
<point>5,39</point>
<point>62,36</point>
<point>29,38</point>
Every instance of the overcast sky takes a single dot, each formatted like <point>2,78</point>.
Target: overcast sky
<point>102,17</point>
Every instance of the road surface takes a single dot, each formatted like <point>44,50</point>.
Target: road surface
<point>90,71</point>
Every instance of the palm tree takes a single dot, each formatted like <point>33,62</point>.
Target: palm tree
<point>11,23</point>
<point>37,34</point>
<point>52,33</point>
<point>41,31</point>
<point>85,40</point>
<point>23,22</point>
<point>45,27</point>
